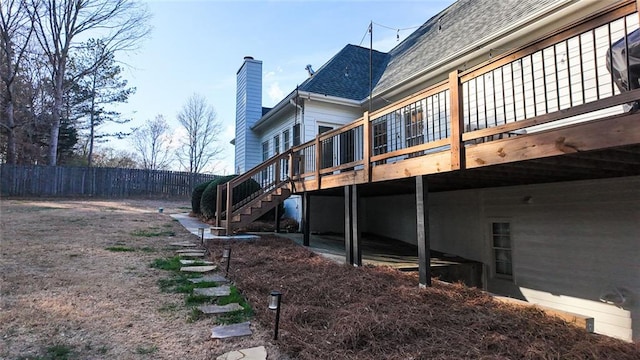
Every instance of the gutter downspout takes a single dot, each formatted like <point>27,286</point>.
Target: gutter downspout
<point>295,119</point>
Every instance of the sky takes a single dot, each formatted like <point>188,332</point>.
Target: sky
<point>197,46</point>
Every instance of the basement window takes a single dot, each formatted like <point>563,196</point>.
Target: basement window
<point>501,244</point>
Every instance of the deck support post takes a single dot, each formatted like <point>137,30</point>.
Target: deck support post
<point>352,234</point>
<point>277,217</point>
<point>424,246</point>
<point>306,218</point>
<point>457,121</point>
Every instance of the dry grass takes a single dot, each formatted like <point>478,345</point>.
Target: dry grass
<point>340,312</point>
<point>65,292</point>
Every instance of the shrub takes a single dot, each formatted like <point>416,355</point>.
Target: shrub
<point>196,195</point>
<point>208,199</point>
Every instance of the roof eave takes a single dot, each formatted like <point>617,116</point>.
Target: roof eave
<point>282,105</point>
<point>329,99</point>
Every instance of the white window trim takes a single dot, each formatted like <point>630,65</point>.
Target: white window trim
<point>489,236</point>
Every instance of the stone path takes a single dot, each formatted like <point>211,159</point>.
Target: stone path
<point>217,291</point>
<point>217,278</point>
<point>193,250</point>
<point>233,330</point>
<point>219,309</point>
<point>195,262</point>
<point>183,244</point>
<point>198,269</point>
<point>183,251</point>
<point>192,254</point>
<point>254,353</point>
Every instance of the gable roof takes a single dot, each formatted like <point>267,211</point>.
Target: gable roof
<point>459,27</point>
<point>346,75</point>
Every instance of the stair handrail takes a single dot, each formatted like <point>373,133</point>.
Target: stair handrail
<point>231,184</point>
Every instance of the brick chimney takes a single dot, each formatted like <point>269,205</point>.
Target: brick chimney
<point>248,112</point>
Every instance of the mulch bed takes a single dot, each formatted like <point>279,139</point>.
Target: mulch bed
<point>332,311</point>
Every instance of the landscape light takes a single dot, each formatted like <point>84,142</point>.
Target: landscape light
<point>226,254</point>
<point>274,304</point>
<point>201,231</point>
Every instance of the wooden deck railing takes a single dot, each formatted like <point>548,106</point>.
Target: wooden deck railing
<point>553,81</point>
<point>252,185</point>
<point>558,81</point>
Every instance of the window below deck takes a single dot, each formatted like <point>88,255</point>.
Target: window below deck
<point>502,249</point>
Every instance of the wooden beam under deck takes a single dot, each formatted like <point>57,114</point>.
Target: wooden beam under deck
<point>422,165</point>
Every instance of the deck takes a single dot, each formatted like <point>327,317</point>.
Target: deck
<point>553,110</point>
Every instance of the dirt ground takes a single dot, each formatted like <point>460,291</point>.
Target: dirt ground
<point>64,295</point>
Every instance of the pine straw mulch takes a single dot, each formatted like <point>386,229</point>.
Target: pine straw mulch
<point>332,311</point>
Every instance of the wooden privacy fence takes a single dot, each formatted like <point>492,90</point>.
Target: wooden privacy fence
<point>36,180</point>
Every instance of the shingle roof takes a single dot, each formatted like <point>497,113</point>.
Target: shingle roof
<point>346,75</point>
<point>459,26</point>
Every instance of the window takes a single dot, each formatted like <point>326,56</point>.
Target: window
<point>276,144</point>
<point>501,244</point>
<point>286,140</point>
<point>296,134</point>
<point>379,129</point>
<point>265,150</point>
<point>414,127</point>
<point>327,147</point>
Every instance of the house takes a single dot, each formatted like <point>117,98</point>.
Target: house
<point>498,131</point>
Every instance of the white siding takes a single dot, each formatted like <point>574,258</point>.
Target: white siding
<point>318,113</point>
<point>573,242</point>
<point>248,111</point>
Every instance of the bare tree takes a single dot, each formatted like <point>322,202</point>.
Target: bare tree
<point>153,142</point>
<point>118,24</point>
<point>15,32</point>
<point>198,119</point>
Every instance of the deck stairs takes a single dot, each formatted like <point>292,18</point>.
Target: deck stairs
<point>254,209</point>
<point>253,194</point>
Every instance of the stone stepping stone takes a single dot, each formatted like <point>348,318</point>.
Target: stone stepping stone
<point>191,254</point>
<point>189,251</point>
<point>198,269</point>
<point>184,244</point>
<point>234,330</point>
<point>254,353</point>
<point>195,262</point>
<point>217,278</point>
<point>219,309</point>
<point>224,290</point>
